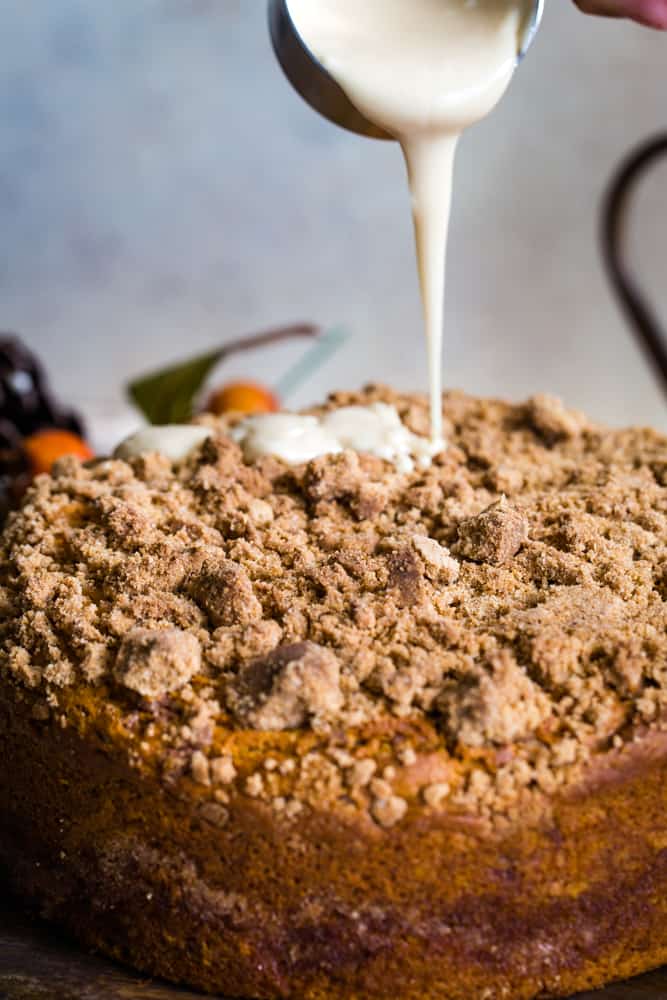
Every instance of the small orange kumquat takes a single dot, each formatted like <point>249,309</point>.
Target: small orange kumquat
<point>44,447</point>
<point>242,397</point>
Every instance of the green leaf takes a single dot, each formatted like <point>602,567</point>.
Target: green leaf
<point>168,396</point>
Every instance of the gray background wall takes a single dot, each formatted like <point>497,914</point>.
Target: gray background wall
<point>161,190</point>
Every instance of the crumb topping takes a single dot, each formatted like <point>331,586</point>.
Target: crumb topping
<point>454,637</point>
<point>154,662</point>
<point>493,536</point>
<point>289,687</point>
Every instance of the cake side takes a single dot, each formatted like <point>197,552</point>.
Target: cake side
<point>332,906</point>
<point>334,727</point>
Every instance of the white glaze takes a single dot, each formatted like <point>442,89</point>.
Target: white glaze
<point>289,436</point>
<point>424,70</point>
<point>175,441</point>
<point>374,430</point>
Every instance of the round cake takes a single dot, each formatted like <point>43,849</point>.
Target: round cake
<point>335,730</point>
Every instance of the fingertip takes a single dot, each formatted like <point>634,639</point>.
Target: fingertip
<point>651,13</point>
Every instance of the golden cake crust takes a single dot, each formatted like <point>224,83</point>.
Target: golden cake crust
<point>332,730</point>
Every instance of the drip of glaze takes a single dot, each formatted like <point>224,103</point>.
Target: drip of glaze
<point>423,70</point>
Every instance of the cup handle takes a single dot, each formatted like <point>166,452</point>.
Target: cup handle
<point>646,326</point>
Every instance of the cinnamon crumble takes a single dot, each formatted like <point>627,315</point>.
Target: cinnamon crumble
<point>452,637</point>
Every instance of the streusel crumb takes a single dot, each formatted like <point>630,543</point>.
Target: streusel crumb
<point>455,637</point>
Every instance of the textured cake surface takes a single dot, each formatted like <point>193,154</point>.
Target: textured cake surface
<point>456,673</point>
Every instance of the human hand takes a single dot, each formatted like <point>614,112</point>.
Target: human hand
<point>651,13</point>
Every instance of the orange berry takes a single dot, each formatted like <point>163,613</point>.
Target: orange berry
<point>44,447</point>
<point>242,397</point>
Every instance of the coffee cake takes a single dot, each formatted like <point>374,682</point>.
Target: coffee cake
<point>335,730</point>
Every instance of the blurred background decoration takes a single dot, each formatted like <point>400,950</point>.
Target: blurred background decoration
<point>163,189</point>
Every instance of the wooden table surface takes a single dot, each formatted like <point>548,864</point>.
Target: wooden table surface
<point>37,964</point>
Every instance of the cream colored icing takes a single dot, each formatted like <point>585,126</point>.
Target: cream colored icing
<point>424,70</point>
<point>375,430</point>
<point>175,441</point>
